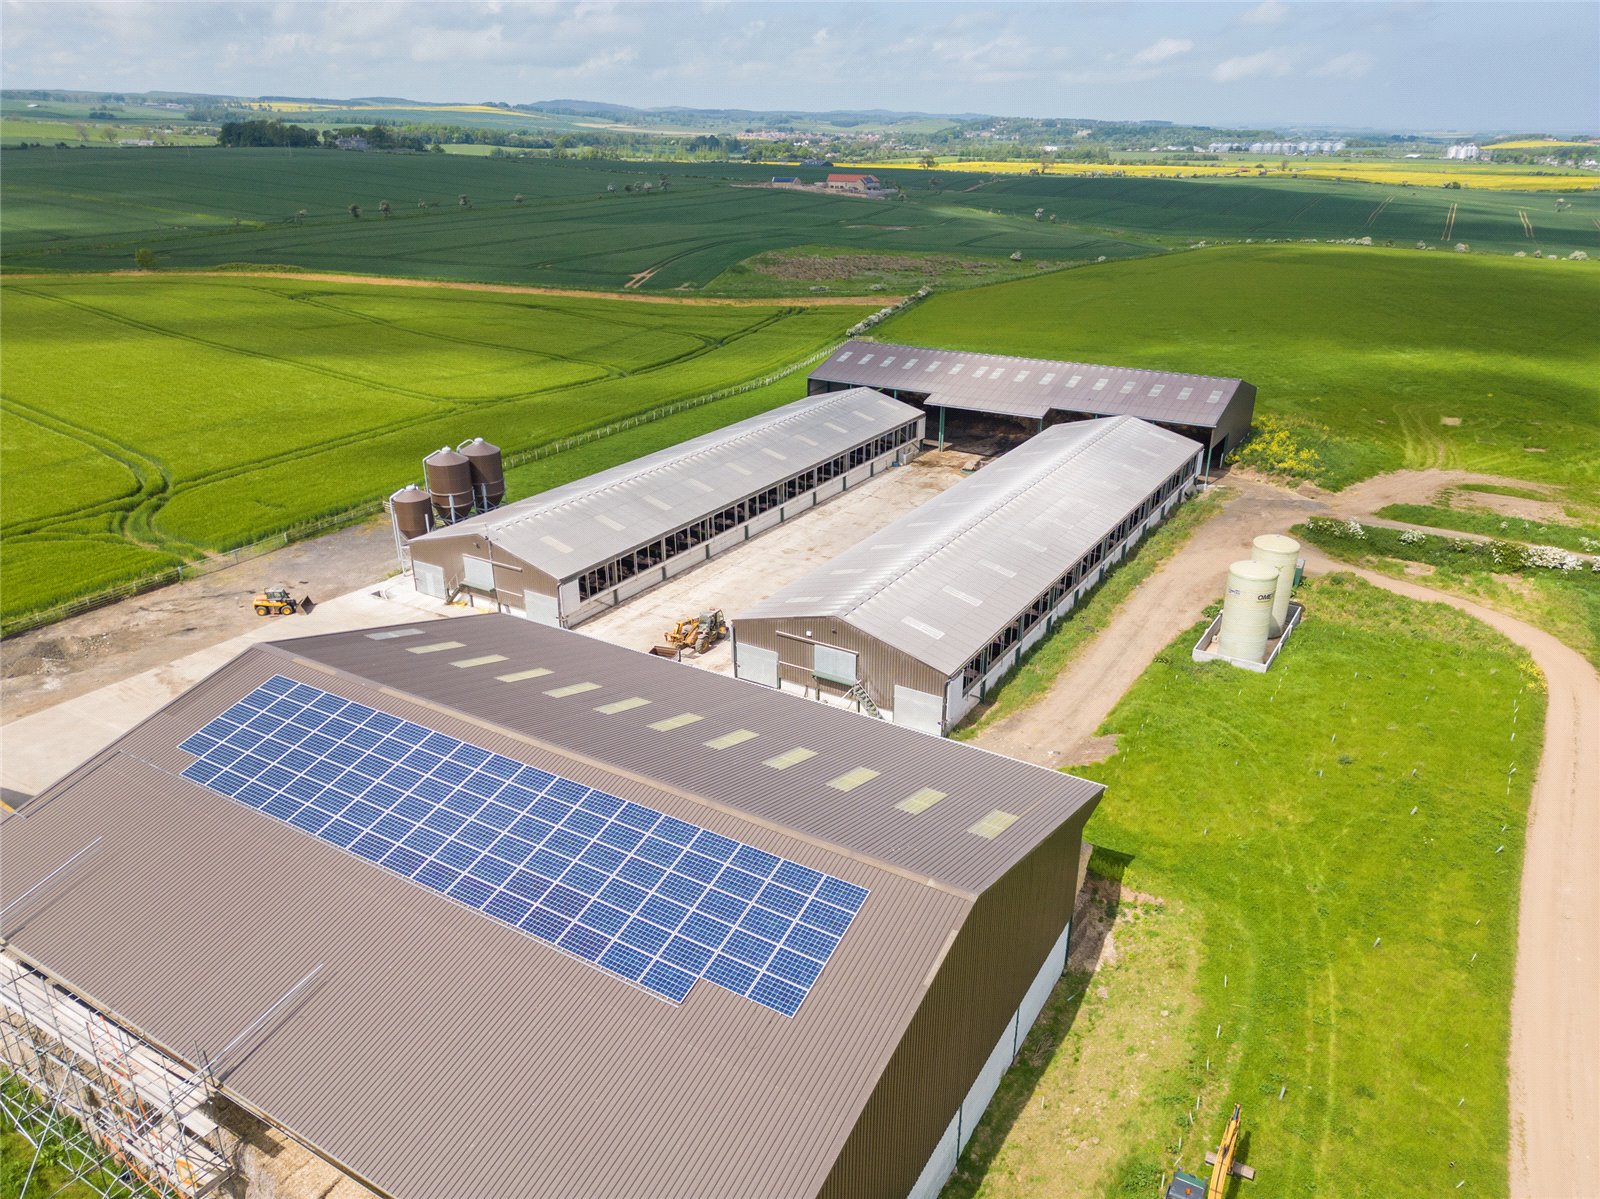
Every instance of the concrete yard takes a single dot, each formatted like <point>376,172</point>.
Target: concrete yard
<point>738,579</point>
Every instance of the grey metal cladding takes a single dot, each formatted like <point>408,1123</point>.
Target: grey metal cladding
<point>571,529</point>
<point>1029,387</point>
<point>942,581</point>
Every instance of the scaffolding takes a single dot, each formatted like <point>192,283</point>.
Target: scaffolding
<point>144,1119</point>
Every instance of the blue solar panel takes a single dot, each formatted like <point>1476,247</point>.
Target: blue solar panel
<point>647,897</point>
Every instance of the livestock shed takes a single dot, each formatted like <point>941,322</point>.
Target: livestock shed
<point>570,553</point>
<point>486,908</point>
<point>975,389</point>
<point>922,618</point>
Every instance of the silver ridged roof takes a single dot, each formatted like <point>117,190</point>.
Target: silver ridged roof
<point>571,529</point>
<point>1030,387</point>
<point>942,581</point>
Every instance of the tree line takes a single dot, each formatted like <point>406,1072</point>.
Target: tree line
<point>277,133</point>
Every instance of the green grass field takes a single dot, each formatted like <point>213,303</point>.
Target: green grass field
<point>148,420</point>
<point>1364,351</point>
<point>1336,826</point>
<point>90,209</point>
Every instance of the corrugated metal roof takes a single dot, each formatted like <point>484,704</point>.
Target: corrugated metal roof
<point>941,582</point>
<point>658,741</point>
<point>1030,387</point>
<point>571,529</point>
<point>440,1053</point>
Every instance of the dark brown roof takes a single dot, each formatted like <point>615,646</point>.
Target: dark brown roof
<point>1032,387</point>
<point>439,1053</point>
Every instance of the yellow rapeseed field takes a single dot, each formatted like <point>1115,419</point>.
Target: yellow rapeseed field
<point>1486,177</point>
<point>1539,143</point>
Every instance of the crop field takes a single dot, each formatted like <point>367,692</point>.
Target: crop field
<point>1363,352</point>
<point>148,420</point>
<point>1490,176</point>
<point>1169,211</point>
<point>1343,838</point>
<point>91,209</point>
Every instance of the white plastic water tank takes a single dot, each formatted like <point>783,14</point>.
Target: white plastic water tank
<point>1247,611</point>
<point>1279,552</point>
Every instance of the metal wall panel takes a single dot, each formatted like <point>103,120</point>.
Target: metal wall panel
<point>941,1163</point>
<point>918,710</point>
<point>542,608</point>
<point>834,664</point>
<point>429,579</point>
<point>755,664</point>
<point>477,573</point>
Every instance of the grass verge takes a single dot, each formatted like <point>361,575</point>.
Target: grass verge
<point>1031,678</point>
<point>1351,857</point>
<point>1565,604</point>
<point>1492,524</point>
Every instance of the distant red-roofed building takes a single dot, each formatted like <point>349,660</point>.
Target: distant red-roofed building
<point>854,183</point>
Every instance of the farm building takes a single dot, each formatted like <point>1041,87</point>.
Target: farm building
<point>922,618</point>
<point>564,555</point>
<point>485,908</point>
<point>853,183</point>
<point>972,390</point>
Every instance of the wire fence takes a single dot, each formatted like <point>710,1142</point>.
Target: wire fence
<point>28,621</point>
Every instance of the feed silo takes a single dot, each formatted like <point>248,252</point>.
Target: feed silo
<point>1280,553</point>
<point>488,477</point>
<point>1247,611</point>
<point>449,477</point>
<point>412,509</point>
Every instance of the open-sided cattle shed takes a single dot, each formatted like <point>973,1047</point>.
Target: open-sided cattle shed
<point>1038,392</point>
<point>922,618</point>
<point>570,553</point>
<point>479,907</point>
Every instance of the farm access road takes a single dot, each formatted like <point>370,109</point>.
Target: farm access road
<point>1555,1021</point>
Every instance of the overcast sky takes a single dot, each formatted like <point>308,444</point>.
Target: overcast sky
<point>1449,65</point>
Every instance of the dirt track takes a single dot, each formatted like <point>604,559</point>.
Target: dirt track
<point>1555,1015</point>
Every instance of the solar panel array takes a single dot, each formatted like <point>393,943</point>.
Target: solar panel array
<point>652,899</point>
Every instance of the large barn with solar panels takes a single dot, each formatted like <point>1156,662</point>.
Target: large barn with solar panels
<point>478,907</point>
<point>966,392</point>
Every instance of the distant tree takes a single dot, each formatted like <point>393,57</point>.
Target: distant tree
<point>145,258</point>
<point>108,134</point>
<point>383,207</point>
<point>355,211</point>
<point>927,162</point>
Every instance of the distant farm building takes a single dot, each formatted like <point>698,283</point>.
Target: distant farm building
<point>785,179</point>
<point>853,183</point>
<point>923,618</point>
<point>479,908</point>
<point>979,392</point>
<point>574,551</point>
<point>350,143</point>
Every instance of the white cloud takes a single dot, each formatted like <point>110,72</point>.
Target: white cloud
<point>1353,65</point>
<point>1267,62</point>
<point>1268,12</point>
<point>1167,47</point>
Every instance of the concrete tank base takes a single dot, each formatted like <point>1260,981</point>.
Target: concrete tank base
<point>1205,650</point>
